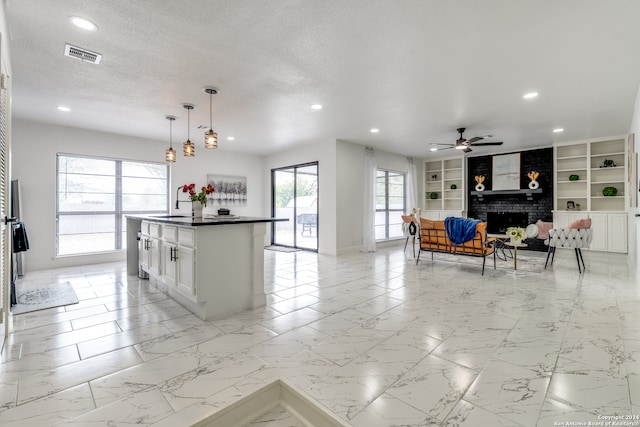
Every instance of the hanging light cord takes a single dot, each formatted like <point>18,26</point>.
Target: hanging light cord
<point>171,134</point>
<point>210,110</point>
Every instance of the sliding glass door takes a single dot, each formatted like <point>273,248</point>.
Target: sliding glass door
<point>294,195</point>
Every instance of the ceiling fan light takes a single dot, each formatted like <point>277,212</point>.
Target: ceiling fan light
<point>433,149</point>
<point>460,147</point>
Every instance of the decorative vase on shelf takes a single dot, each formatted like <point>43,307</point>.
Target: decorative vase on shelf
<point>196,209</point>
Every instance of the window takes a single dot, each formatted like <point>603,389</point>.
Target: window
<point>94,195</point>
<point>389,204</point>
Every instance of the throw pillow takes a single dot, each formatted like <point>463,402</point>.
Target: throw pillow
<point>580,223</point>
<point>543,229</point>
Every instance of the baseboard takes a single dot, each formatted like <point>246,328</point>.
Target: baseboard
<point>279,392</point>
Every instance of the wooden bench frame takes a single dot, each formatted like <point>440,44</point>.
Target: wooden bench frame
<point>437,240</point>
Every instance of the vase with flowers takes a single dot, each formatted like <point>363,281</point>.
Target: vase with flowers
<point>199,199</point>
<point>516,234</point>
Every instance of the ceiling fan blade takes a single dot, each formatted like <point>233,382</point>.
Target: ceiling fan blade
<point>440,143</point>
<point>478,144</point>
<point>466,150</point>
<point>475,138</point>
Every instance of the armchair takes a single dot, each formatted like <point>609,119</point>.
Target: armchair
<point>576,238</point>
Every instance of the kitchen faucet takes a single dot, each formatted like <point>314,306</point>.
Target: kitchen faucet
<point>180,201</point>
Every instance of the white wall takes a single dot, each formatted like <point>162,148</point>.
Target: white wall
<point>34,149</point>
<point>350,189</point>
<point>325,154</point>
<point>634,222</point>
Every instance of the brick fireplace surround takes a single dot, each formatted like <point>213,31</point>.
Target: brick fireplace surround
<point>539,208</point>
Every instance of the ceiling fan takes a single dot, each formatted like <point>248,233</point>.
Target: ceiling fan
<point>465,145</point>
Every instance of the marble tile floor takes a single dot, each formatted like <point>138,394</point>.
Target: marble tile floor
<point>375,338</point>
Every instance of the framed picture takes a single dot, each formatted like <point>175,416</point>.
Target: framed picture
<point>571,204</point>
<point>506,172</point>
<point>228,190</point>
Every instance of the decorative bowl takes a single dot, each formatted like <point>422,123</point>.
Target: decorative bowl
<point>223,211</point>
<point>609,191</point>
<point>573,177</point>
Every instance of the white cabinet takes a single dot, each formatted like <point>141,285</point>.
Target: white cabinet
<point>444,186</point>
<point>186,277</point>
<point>179,259</point>
<point>609,228</point>
<point>617,233</point>
<point>150,256</point>
<point>170,267</point>
<point>213,268</point>
<point>600,231</point>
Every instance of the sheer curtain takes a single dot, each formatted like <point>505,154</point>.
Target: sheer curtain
<point>369,218</point>
<point>412,179</point>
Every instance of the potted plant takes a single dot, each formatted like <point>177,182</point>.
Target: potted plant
<point>516,234</point>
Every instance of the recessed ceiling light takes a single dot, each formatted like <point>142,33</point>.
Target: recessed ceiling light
<point>83,23</point>
<point>375,130</point>
<point>62,108</point>
<point>316,107</point>
<point>558,130</point>
<point>231,138</point>
<point>530,95</point>
<point>433,149</point>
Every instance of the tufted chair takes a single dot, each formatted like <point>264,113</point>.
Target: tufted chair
<point>576,238</point>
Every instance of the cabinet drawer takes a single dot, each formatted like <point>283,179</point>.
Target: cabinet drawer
<point>145,228</point>
<point>154,230</point>
<point>170,233</point>
<point>186,236</point>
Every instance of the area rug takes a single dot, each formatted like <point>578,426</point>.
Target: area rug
<point>44,296</point>
<point>281,248</point>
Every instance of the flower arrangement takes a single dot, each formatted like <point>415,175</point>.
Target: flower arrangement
<point>516,233</point>
<point>198,197</point>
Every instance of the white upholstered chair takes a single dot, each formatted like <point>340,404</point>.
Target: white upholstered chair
<point>575,238</point>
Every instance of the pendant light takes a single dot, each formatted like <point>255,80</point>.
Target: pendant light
<point>170,155</point>
<point>210,138</point>
<point>188,149</point>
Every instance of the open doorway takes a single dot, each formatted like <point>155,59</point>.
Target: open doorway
<point>294,195</point>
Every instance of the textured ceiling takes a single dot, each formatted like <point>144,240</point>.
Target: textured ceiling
<point>415,69</point>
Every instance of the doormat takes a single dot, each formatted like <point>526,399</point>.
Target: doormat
<point>43,296</point>
<point>281,248</point>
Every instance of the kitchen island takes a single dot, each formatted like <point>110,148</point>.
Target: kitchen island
<point>213,266</point>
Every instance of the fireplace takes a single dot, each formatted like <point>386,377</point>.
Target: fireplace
<point>498,222</point>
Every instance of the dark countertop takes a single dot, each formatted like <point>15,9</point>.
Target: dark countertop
<point>207,220</point>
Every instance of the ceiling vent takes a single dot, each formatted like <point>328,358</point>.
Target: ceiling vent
<point>82,54</point>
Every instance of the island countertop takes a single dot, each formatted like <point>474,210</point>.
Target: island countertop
<point>205,220</point>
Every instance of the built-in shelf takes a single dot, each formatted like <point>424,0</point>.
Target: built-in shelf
<point>525,192</point>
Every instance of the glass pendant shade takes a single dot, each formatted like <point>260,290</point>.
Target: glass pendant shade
<point>188,149</point>
<point>211,139</point>
<point>170,154</point>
